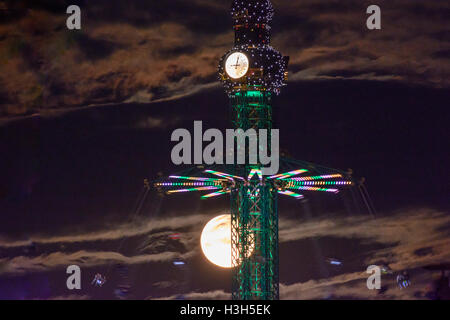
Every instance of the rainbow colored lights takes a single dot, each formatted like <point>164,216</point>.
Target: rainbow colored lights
<point>319,183</point>
<point>215,194</point>
<point>287,174</point>
<point>253,172</point>
<point>224,175</point>
<point>186,184</point>
<point>194,178</point>
<point>193,189</point>
<point>291,194</point>
<point>313,189</point>
<point>327,176</point>
<point>281,182</point>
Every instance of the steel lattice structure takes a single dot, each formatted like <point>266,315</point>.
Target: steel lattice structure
<point>254,197</point>
<point>254,217</point>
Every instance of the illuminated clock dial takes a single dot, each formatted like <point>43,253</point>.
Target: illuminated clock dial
<point>236,65</point>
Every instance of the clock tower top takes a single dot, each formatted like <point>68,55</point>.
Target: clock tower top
<point>252,64</point>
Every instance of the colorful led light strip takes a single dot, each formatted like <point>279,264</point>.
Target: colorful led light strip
<point>186,184</point>
<point>193,189</point>
<point>291,194</point>
<point>328,176</point>
<point>313,189</point>
<point>287,174</point>
<point>252,173</point>
<point>224,175</point>
<point>194,178</point>
<point>318,183</point>
<point>214,194</point>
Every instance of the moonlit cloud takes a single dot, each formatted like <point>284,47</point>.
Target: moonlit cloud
<point>157,52</point>
<point>58,260</point>
<point>402,235</point>
<point>208,295</point>
<point>115,233</point>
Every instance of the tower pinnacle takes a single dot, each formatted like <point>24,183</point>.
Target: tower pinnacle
<point>252,64</point>
<point>251,21</point>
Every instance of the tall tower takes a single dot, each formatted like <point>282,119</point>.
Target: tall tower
<point>252,72</point>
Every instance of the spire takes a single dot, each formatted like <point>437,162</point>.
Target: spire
<point>255,11</point>
<point>251,21</point>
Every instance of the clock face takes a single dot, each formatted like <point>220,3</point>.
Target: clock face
<point>236,65</point>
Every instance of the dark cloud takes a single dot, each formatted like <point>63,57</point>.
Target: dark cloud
<point>424,251</point>
<point>145,51</point>
<point>94,49</point>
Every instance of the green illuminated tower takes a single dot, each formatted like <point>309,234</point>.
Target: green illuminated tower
<point>252,72</point>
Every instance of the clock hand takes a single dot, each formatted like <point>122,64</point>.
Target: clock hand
<point>237,61</point>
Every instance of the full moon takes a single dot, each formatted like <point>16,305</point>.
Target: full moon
<point>216,241</point>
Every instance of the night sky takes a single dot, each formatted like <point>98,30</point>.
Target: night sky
<point>86,115</point>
